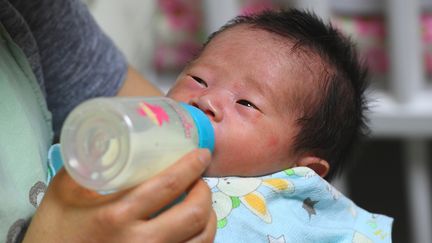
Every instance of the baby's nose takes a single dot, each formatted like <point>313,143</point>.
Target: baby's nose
<point>210,107</point>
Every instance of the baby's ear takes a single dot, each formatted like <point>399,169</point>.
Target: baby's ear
<point>320,166</point>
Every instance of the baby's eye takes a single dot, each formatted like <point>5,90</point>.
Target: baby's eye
<point>247,103</point>
<point>200,81</point>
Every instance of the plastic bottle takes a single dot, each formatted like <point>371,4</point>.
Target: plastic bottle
<point>109,144</point>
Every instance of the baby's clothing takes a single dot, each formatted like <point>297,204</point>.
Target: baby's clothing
<point>295,205</point>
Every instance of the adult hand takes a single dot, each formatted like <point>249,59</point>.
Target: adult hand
<point>71,213</point>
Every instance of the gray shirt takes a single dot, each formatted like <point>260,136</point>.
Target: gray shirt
<point>71,57</point>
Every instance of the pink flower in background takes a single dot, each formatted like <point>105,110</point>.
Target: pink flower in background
<point>256,6</point>
<point>427,41</point>
<point>182,38</point>
<point>182,14</point>
<point>428,62</point>
<point>163,57</point>
<point>376,58</point>
<point>187,50</point>
<point>371,26</point>
<point>174,57</point>
<point>371,39</point>
<point>427,28</point>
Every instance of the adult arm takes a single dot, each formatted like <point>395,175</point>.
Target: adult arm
<point>136,85</point>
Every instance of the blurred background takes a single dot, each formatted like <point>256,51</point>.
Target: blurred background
<point>391,172</point>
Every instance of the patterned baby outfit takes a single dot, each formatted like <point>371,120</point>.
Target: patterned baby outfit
<point>295,205</point>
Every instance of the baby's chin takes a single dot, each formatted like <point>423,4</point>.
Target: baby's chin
<point>216,171</point>
<point>210,172</point>
<point>221,166</point>
<point>224,170</point>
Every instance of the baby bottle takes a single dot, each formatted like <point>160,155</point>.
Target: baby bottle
<point>109,144</point>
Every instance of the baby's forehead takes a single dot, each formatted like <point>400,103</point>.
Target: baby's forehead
<point>297,70</point>
<point>298,57</point>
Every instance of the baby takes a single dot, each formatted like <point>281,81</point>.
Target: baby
<point>285,95</point>
<point>282,90</point>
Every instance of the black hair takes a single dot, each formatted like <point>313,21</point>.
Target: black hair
<point>330,127</point>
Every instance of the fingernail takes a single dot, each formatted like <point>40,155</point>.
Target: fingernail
<point>204,156</point>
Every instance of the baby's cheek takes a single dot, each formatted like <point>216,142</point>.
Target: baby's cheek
<point>272,142</point>
<point>190,96</point>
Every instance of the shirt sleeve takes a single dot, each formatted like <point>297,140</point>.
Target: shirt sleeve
<point>78,60</point>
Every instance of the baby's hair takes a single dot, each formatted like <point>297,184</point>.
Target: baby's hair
<point>331,126</point>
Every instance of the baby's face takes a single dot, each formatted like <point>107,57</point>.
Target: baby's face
<point>239,82</point>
